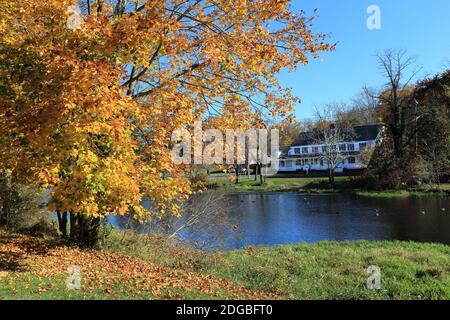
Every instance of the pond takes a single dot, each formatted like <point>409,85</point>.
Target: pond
<point>280,218</point>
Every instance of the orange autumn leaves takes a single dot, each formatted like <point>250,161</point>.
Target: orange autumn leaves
<point>89,113</point>
<point>43,260</point>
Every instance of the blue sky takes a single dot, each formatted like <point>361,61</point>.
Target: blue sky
<point>420,27</point>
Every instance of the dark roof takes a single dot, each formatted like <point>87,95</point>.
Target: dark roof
<point>284,151</point>
<point>359,133</point>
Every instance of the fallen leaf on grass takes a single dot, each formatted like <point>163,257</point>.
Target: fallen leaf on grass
<point>100,268</point>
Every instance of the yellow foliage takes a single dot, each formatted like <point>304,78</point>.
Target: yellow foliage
<point>88,113</point>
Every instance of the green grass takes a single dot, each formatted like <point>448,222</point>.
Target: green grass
<point>27,286</point>
<point>388,194</point>
<point>331,270</point>
<point>318,185</point>
<point>400,193</point>
<point>278,184</point>
<point>324,270</point>
<point>442,190</point>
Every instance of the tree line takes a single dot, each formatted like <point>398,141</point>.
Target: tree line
<point>416,114</point>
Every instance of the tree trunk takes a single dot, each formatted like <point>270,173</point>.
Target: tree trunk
<point>247,158</point>
<point>62,223</point>
<point>331,177</point>
<point>6,195</point>
<point>84,231</point>
<point>397,126</point>
<point>261,177</point>
<point>398,147</point>
<point>73,227</point>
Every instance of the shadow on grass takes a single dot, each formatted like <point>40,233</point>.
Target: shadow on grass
<point>15,248</point>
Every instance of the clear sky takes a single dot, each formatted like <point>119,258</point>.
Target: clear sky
<point>421,27</point>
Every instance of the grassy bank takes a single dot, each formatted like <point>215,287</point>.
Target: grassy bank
<point>279,184</point>
<point>318,185</point>
<point>403,193</point>
<point>130,266</point>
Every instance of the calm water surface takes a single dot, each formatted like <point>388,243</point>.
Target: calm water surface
<point>279,218</point>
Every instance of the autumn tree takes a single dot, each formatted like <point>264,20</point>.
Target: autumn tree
<point>87,110</point>
<point>289,130</point>
<point>431,128</point>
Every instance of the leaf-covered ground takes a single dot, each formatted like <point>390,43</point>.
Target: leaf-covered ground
<point>133,266</point>
<point>33,267</point>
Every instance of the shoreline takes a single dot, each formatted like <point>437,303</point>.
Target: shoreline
<point>322,270</point>
<point>305,185</point>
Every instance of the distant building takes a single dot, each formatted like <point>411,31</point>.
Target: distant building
<point>306,153</point>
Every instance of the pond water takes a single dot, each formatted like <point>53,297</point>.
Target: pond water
<point>280,218</point>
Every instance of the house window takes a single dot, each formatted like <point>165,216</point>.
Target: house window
<point>297,150</point>
<point>324,149</point>
<point>321,162</point>
<point>315,149</point>
<point>352,160</point>
<point>342,148</point>
<point>298,163</point>
<point>282,164</point>
<point>362,146</point>
<point>305,150</point>
<point>351,147</point>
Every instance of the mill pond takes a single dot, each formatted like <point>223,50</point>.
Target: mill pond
<point>253,219</point>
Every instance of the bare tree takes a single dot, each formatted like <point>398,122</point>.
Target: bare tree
<point>365,106</point>
<point>329,140</point>
<point>399,69</point>
<point>435,164</point>
<point>307,125</point>
<point>208,216</point>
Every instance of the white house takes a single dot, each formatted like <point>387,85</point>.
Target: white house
<point>306,153</point>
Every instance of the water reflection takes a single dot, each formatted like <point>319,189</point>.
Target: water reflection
<point>277,218</point>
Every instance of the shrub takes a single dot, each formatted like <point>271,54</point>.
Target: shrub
<point>22,208</point>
